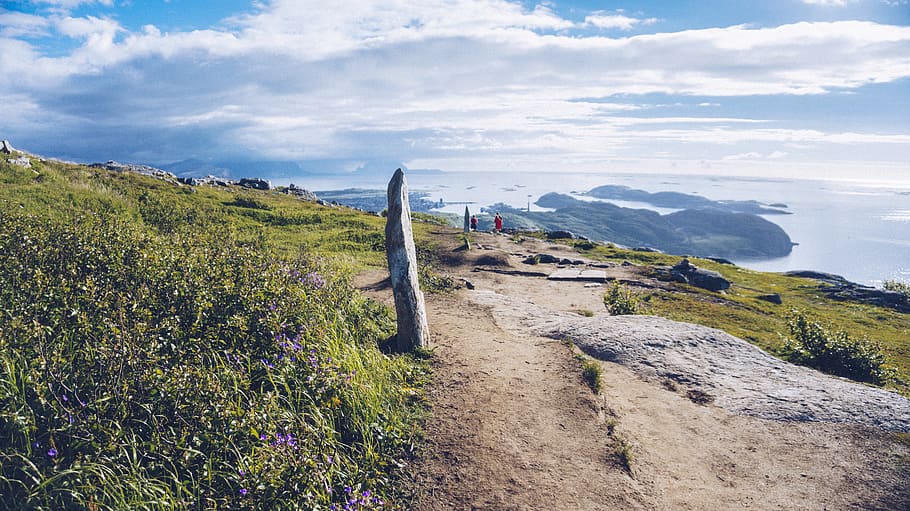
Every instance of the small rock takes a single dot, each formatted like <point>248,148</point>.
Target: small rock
<point>773,298</point>
<point>560,235</point>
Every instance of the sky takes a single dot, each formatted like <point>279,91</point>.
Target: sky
<point>777,88</point>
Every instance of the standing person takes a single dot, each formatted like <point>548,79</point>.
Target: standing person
<point>497,220</point>
<point>473,222</point>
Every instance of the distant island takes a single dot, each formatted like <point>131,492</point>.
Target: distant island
<point>705,228</point>
<point>678,200</point>
<point>708,232</point>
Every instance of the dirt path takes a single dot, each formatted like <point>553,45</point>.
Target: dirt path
<point>514,427</point>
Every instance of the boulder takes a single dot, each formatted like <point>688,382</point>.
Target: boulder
<point>301,193</point>
<point>22,161</point>
<point>410,310</point>
<point>6,147</point>
<point>255,183</point>
<point>772,298</point>
<point>684,271</point>
<point>560,235</point>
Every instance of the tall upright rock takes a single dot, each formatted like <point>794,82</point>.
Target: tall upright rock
<point>467,220</point>
<point>410,309</point>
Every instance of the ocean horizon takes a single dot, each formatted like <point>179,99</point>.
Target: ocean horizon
<point>858,229</point>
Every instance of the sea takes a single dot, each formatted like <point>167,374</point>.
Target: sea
<point>857,229</point>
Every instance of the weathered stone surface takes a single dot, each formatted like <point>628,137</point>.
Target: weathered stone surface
<point>300,193</point>
<point>22,161</point>
<point>255,183</point>
<point>839,288</point>
<point>577,274</point>
<point>467,220</point>
<point>742,378</point>
<point>145,170</point>
<point>687,273</point>
<point>560,235</point>
<point>413,331</point>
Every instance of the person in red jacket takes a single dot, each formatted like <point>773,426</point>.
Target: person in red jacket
<point>473,222</point>
<point>497,220</point>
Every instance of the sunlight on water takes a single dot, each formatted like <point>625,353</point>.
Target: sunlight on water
<point>898,215</point>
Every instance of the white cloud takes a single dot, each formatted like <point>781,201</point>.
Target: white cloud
<point>828,3</point>
<point>617,19</point>
<point>72,4</point>
<point>439,79</point>
<point>18,24</point>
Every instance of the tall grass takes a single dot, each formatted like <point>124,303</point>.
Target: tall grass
<point>164,363</point>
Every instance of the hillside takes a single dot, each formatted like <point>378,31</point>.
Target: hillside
<point>175,347</point>
<point>172,347</point>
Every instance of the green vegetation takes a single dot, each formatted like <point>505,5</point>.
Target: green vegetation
<point>164,348</point>
<point>739,312</point>
<point>591,372</point>
<point>834,351</point>
<point>619,300</point>
<point>622,451</point>
<point>898,287</point>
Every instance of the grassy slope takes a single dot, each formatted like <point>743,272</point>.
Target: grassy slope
<point>197,297</point>
<point>740,313</point>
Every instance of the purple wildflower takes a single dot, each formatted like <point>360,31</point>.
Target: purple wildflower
<point>243,492</point>
<point>52,452</point>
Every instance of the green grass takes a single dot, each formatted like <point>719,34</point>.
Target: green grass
<point>591,373</point>
<point>164,348</point>
<point>739,312</point>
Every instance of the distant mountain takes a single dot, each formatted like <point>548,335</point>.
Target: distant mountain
<point>676,200</point>
<point>233,169</point>
<point>272,169</point>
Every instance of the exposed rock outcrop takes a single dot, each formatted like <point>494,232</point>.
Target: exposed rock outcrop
<point>300,193</point>
<point>839,288</point>
<point>6,147</point>
<point>255,183</point>
<point>740,377</point>
<point>410,309</point>
<point>145,170</point>
<point>560,235</point>
<point>685,272</point>
<point>22,161</point>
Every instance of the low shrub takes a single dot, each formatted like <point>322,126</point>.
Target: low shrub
<point>619,300</point>
<point>835,351</point>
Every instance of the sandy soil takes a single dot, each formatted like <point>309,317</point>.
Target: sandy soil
<point>514,426</point>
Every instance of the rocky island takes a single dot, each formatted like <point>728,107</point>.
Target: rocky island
<point>700,232</point>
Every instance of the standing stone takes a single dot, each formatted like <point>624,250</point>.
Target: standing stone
<point>467,220</point>
<point>413,331</point>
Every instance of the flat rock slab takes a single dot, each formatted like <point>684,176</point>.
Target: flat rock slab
<point>742,378</point>
<point>579,275</point>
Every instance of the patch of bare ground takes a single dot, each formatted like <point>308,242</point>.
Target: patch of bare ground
<point>514,427</point>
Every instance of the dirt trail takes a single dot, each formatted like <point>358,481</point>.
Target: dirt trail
<point>514,427</point>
